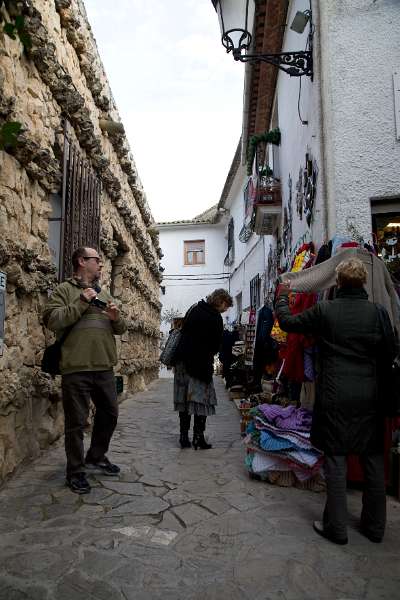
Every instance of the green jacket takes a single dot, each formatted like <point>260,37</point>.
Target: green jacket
<point>90,344</point>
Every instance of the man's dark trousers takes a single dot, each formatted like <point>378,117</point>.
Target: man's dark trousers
<point>77,390</point>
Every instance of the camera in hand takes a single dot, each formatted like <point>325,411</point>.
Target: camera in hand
<point>99,303</point>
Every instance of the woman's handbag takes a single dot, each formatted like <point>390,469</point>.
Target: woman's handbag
<point>171,346</point>
<point>167,356</point>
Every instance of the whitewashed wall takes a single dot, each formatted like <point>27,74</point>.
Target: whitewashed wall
<point>298,139</point>
<point>182,294</point>
<point>250,257</point>
<point>349,106</point>
<point>360,52</point>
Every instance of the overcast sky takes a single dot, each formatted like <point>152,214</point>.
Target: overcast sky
<point>179,95</point>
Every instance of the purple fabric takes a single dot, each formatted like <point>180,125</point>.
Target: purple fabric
<point>309,373</point>
<point>288,417</point>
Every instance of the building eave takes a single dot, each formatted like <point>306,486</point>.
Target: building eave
<point>231,176</point>
<point>180,224</point>
<point>269,29</point>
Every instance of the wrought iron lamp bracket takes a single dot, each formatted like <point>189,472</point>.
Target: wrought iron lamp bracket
<point>295,64</point>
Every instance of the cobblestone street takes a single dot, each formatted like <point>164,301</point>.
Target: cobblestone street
<point>180,525</point>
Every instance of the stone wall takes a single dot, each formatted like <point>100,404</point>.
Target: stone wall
<point>61,78</point>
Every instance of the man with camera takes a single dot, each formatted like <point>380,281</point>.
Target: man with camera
<point>86,318</point>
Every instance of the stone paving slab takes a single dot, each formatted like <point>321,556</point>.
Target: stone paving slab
<point>180,524</point>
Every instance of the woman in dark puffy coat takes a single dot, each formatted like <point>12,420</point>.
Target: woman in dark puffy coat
<point>354,335</point>
<point>194,392</point>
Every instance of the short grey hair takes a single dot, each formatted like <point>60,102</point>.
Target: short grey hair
<point>218,296</point>
<point>351,273</point>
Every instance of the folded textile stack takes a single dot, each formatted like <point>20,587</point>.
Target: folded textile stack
<point>279,447</point>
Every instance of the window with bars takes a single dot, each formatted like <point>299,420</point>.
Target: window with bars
<point>75,219</point>
<point>194,252</point>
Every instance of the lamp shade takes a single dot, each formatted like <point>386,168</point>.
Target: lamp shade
<point>236,18</point>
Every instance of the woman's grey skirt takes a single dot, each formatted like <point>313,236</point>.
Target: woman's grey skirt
<point>192,395</point>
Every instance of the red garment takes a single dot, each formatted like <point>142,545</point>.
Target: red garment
<point>296,342</point>
<point>354,470</point>
<point>350,245</point>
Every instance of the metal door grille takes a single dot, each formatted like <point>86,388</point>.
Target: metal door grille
<point>81,194</point>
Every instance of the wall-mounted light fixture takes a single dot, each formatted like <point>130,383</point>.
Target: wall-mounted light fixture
<point>236,22</point>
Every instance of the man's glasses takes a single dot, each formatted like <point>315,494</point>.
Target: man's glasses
<point>96,258</point>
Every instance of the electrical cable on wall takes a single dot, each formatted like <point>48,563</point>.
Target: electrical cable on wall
<point>310,35</point>
<point>302,121</point>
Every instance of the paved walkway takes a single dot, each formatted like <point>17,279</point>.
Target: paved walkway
<point>180,525</point>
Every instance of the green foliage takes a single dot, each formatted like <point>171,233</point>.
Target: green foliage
<point>9,134</point>
<point>269,137</point>
<point>17,28</point>
<point>265,171</point>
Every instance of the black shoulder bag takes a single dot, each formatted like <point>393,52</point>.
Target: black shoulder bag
<point>52,355</point>
<point>170,351</point>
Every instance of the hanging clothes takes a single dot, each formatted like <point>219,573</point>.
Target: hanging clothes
<point>379,286</point>
<point>293,368</point>
<point>265,348</point>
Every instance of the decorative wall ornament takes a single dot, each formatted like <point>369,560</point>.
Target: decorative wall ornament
<point>287,222</point>
<point>299,194</point>
<point>353,231</point>
<point>306,188</point>
<point>271,275</point>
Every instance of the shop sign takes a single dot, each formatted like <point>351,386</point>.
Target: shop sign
<point>3,280</point>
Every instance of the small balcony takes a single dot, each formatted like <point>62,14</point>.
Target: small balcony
<point>267,206</point>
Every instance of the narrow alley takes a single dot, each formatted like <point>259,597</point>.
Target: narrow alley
<point>179,524</point>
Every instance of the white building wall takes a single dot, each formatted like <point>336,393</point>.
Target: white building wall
<point>250,256</point>
<point>185,291</point>
<point>359,54</point>
<point>299,139</point>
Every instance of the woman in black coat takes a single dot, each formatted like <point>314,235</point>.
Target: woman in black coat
<point>194,392</point>
<point>348,415</point>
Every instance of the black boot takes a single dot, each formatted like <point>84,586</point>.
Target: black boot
<point>184,422</point>
<point>198,433</point>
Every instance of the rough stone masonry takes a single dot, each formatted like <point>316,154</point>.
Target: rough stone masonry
<point>58,85</point>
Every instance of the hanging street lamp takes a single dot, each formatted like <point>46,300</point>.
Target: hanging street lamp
<point>236,19</point>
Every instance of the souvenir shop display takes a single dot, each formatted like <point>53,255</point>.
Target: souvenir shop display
<point>245,407</point>
<point>249,343</point>
<point>317,282</point>
<point>281,382</point>
<point>279,448</point>
<point>241,376</point>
